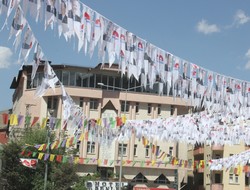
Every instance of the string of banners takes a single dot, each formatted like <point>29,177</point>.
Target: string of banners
<point>203,127</point>
<point>55,123</point>
<point>235,160</point>
<point>135,56</point>
<point>142,60</point>
<point>170,160</point>
<point>109,162</point>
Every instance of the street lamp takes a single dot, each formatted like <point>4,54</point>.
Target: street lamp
<point>125,109</point>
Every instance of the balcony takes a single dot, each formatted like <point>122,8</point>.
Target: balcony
<point>217,186</point>
<point>217,147</point>
<point>200,170</point>
<point>198,151</point>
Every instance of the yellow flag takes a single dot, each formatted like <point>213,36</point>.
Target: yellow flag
<point>239,170</point>
<point>153,162</point>
<point>41,147</point>
<point>13,120</point>
<point>176,162</point>
<point>68,143</point>
<point>44,122</point>
<point>124,119</point>
<point>99,162</point>
<point>99,121</point>
<point>76,160</point>
<point>52,157</point>
<point>40,156</point>
<point>54,144</point>
<point>81,137</point>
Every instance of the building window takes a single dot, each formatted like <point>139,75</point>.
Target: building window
<point>135,150</point>
<point>93,104</point>
<point>92,81</point>
<point>120,152</point>
<point>162,179</point>
<point>72,78</point>
<point>123,109</point>
<point>231,178</point>
<point>172,110</point>
<point>81,102</point>
<point>159,109</point>
<point>149,108</point>
<point>140,178</point>
<point>28,84</point>
<point>85,80</point>
<point>78,79</point>
<point>52,102</point>
<point>65,78</point>
<point>236,178</point>
<point>170,152</point>
<point>217,156</point>
<point>91,147</point>
<point>147,151</point>
<point>137,107</point>
<point>217,178</point>
<point>110,83</point>
<point>157,150</point>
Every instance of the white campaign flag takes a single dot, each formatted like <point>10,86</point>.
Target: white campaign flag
<point>70,13</point>
<point>122,62</point>
<point>67,104</point>
<point>7,6</point>
<point>38,55</point>
<point>30,163</point>
<point>140,55</point>
<point>82,32</point>
<point>76,9</point>
<point>28,42</point>
<point>88,15</point>
<point>63,27</point>
<point>50,13</point>
<point>161,65</point>
<point>17,26</point>
<point>49,81</point>
<point>98,27</point>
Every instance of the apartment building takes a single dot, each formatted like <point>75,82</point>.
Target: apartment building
<point>102,92</point>
<point>219,180</point>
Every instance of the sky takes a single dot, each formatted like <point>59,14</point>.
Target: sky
<point>212,34</point>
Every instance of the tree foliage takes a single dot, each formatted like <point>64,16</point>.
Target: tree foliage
<point>60,175</point>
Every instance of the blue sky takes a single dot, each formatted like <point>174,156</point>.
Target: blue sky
<point>212,34</point>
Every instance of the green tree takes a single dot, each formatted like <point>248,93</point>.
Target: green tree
<point>60,175</point>
<point>17,176</point>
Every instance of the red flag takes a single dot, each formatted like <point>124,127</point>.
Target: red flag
<point>105,162</point>
<point>35,119</point>
<point>30,163</point>
<point>81,161</point>
<point>59,158</point>
<point>118,121</point>
<point>5,118</point>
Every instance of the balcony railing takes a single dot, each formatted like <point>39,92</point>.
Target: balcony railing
<point>217,186</point>
<point>200,170</point>
<point>198,151</point>
<point>217,147</point>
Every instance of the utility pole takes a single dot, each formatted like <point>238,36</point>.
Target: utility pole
<point>48,151</point>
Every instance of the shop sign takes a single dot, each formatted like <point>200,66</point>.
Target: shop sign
<point>104,185</point>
